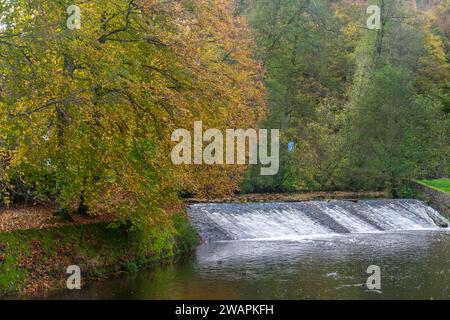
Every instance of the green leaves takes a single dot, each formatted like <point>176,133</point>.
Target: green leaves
<point>87,113</point>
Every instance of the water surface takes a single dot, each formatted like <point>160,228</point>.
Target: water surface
<point>414,265</point>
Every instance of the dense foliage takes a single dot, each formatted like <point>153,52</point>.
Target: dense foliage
<point>366,109</point>
<point>86,115</point>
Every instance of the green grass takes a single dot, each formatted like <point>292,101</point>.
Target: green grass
<point>438,184</point>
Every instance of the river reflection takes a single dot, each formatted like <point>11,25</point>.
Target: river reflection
<point>414,265</point>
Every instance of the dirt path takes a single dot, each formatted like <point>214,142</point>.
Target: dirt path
<point>39,217</point>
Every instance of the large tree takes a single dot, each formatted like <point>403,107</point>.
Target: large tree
<point>86,115</point>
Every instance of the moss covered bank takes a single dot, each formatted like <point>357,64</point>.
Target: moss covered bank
<point>34,261</point>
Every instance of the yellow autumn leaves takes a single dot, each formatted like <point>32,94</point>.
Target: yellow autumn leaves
<point>90,111</point>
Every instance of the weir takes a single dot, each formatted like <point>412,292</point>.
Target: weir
<point>291,220</point>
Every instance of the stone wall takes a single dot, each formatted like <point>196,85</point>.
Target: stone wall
<point>438,199</point>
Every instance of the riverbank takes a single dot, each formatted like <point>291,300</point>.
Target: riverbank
<point>438,198</point>
<point>295,197</point>
<point>34,261</point>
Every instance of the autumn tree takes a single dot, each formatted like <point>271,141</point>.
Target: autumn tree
<point>86,115</point>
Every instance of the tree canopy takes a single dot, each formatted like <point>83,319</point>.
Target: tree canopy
<point>86,115</point>
<point>366,109</point>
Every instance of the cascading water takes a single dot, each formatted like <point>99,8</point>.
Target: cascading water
<point>285,220</point>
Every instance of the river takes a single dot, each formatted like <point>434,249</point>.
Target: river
<point>315,250</point>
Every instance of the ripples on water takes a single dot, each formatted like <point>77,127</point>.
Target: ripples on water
<point>414,265</point>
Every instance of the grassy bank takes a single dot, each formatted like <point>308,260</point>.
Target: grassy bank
<point>437,184</point>
<point>36,260</point>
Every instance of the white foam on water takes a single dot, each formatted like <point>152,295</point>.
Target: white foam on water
<point>303,220</point>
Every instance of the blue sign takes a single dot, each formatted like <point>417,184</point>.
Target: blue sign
<point>291,145</point>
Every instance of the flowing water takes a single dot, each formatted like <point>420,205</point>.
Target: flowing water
<point>287,221</point>
<point>307,250</point>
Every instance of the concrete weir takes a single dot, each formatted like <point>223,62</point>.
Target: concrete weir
<point>285,220</point>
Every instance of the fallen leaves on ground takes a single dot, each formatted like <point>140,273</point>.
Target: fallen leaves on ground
<point>40,217</point>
